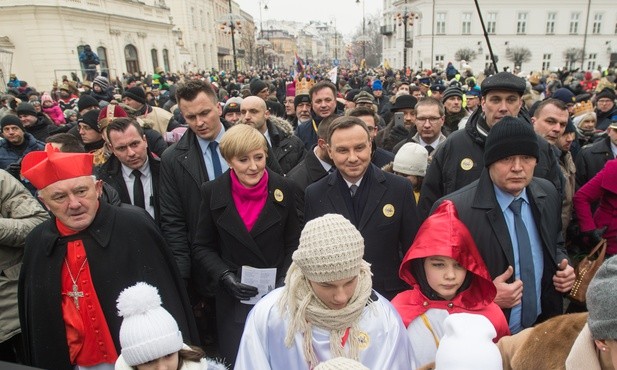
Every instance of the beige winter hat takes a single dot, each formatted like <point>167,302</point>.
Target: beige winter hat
<point>331,248</point>
<point>341,363</point>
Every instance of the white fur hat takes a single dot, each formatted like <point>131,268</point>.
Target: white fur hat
<point>467,344</point>
<point>148,331</point>
<point>411,159</point>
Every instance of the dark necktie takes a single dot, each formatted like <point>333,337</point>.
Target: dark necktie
<point>429,149</point>
<point>216,162</point>
<point>353,189</point>
<point>138,190</point>
<point>525,259</point>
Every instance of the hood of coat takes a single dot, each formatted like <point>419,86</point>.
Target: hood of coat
<point>443,234</point>
<point>282,125</point>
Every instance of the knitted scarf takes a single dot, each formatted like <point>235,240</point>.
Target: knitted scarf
<point>305,309</point>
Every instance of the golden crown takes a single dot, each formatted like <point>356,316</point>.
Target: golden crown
<point>582,108</point>
<point>303,86</point>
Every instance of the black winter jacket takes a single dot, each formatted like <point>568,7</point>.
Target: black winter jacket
<point>460,160</point>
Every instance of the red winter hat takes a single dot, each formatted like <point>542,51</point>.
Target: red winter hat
<point>43,168</point>
<point>291,89</point>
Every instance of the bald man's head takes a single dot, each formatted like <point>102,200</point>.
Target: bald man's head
<point>255,113</point>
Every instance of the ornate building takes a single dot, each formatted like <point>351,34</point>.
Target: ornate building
<point>44,37</point>
<point>528,34</point>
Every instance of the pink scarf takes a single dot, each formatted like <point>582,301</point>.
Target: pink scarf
<point>249,201</point>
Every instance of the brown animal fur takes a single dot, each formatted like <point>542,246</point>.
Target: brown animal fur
<point>545,346</point>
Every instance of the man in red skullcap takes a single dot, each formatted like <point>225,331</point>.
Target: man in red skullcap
<point>76,264</point>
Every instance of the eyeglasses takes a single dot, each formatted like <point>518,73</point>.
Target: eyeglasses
<point>432,120</point>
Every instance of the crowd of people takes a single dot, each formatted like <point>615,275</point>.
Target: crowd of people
<point>281,220</point>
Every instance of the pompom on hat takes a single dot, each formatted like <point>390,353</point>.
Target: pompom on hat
<point>467,344</point>
<point>148,331</point>
<point>43,168</point>
<point>330,249</point>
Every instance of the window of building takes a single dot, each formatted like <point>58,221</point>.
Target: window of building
<point>488,62</point>
<point>491,22</point>
<point>132,59</point>
<point>441,23</point>
<point>155,58</point>
<point>521,24</point>
<point>166,59</point>
<point>102,53</point>
<point>546,61</point>
<point>193,18</point>
<point>597,23</point>
<point>466,23</point>
<point>439,58</point>
<point>202,19</point>
<point>591,61</point>
<point>574,19</point>
<point>550,23</point>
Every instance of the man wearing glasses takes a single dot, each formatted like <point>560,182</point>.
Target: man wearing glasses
<point>430,117</point>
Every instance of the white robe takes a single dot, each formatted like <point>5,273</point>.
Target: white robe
<point>263,342</point>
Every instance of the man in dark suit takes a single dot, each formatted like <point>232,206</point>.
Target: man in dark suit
<point>132,169</point>
<point>317,163</point>
<point>379,204</point>
<point>187,164</point>
<point>515,220</point>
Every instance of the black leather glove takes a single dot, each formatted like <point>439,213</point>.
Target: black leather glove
<point>595,236</point>
<point>15,170</point>
<point>235,288</point>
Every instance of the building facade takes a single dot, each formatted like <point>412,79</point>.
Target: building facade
<point>48,35</point>
<point>44,37</point>
<point>527,34</point>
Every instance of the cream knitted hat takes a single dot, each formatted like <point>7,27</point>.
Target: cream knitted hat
<point>148,331</point>
<point>411,159</point>
<point>341,363</point>
<point>331,248</point>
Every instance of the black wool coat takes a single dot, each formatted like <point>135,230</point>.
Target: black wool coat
<point>479,210</point>
<point>123,246</point>
<point>388,224</point>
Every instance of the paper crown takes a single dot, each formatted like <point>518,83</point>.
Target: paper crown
<point>43,168</point>
<point>582,108</point>
<point>303,86</point>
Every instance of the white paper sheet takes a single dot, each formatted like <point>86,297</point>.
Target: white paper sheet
<point>263,279</point>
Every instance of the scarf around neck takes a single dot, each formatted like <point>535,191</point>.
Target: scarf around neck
<point>249,201</point>
<point>305,309</point>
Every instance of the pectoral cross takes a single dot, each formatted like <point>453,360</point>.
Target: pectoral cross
<point>75,295</point>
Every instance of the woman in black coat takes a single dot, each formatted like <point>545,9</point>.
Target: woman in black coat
<point>247,218</point>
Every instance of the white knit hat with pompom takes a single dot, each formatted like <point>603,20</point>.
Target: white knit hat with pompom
<point>148,331</point>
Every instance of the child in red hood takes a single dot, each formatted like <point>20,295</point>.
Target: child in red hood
<point>447,275</point>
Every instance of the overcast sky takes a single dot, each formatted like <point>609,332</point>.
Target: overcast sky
<point>348,14</point>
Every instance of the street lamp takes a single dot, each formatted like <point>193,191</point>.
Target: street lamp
<point>405,17</point>
<point>233,21</point>
<point>263,44</point>
<point>363,37</point>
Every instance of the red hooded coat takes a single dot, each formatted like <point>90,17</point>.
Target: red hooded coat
<point>443,234</point>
